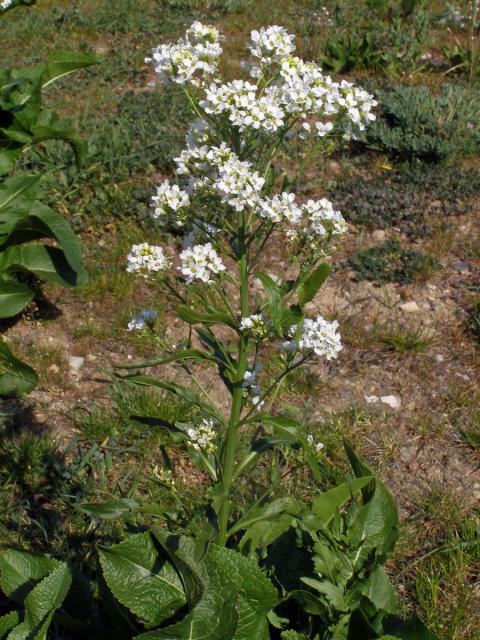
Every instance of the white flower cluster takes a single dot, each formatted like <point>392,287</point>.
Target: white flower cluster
<point>254,325</point>
<point>237,184</point>
<point>271,44</point>
<point>357,104</point>
<point>319,216</point>
<point>282,207</point>
<point>200,262</point>
<point>5,4</point>
<point>251,386</point>
<point>319,336</point>
<point>169,198</point>
<point>202,438</point>
<point>146,258</point>
<point>197,53</point>
<point>143,320</point>
<point>322,219</point>
<point>240,101</point>
<point>220,170</point>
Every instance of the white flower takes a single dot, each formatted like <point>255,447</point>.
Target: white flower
<point>251,386</point>
<point>200,263</point>
<point>323,128</point>
<point>145,257</point>
<point>5,4</point>
<point>196,54</point>
<point>169,198</point>
<point>282,207</point>
<point>254,325</point>
<point>322,219</point>
<point>143,320</point>
<point>203,436</point>
<point>319,336</point>
<point>318,446</point>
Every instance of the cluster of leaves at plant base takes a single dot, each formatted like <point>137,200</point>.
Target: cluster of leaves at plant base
<point>415,123</point>
<point>299,572</point>
<point>390,262</point>
<point>25,122</point>
<point>406,199</point>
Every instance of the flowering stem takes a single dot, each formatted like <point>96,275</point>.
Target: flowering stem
<point>237,396</point>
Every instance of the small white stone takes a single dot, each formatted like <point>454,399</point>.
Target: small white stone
<point>393,401</point>
<point>76,363</point>
<point>410,307</point>
<point>439,357</point>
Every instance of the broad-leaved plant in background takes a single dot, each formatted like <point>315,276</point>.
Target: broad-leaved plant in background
<point>24,220</point>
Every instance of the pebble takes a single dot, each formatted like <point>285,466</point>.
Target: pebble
<point>410,307</point>
<point>392,401</point>
<point>379,234</point>
<point>461,266</point>
<point>76,363</point>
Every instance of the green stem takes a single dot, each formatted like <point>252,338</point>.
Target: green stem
<point>237,396</point>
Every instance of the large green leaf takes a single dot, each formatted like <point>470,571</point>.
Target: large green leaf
<point>13,188</point>
<point>14,296</point>
<point>309,287</point>
<point>44,222</point>
<point>42,260</point>
<point>62,63</point>
<point>21,571</point>
<point>16,377</point>
<point>8,621</point>
<point>213,607</point>
<point>263,525</point>
<point>45,598</point>
<point>142,579</point>
<point>379,590</point>
<point>327,504</point>
<point>256,594</point>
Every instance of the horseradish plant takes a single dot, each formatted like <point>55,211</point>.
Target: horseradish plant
<point>236,208</point>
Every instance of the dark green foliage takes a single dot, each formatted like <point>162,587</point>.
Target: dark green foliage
<point>415,123</point>
<point>326,578</point>
<point>390,263</point>
<point>409,199</point>
<point>25,122</point>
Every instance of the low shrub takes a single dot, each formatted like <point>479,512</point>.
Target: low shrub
<point>390,262</point>
<point>416,123</point>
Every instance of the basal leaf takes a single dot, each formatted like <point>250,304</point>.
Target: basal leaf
<point>142,579</point>
<point>62,63</point>
<point>8,621</point>
<point>14,296</point>
<point>16,377</point>
<point>42,260</point>
<point>213,611</point>
<point>43,600</point>
<point>256,594</point>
